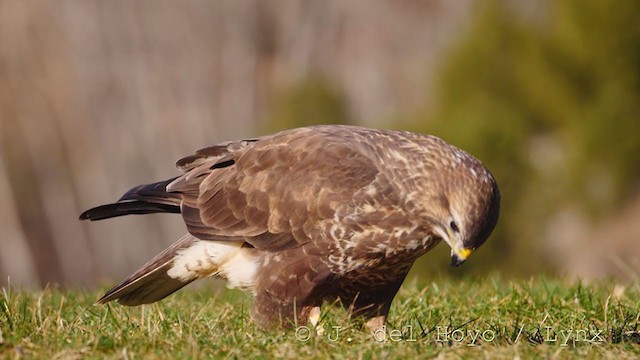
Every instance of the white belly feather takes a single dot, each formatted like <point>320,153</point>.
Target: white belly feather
<point>228,260</point>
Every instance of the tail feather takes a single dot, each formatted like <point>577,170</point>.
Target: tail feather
<point>142,199</point>
<point>151,282</point>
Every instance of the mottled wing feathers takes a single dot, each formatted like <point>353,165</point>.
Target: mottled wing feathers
<point>273,192</point>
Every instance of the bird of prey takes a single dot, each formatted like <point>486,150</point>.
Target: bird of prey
<point>312,214</point>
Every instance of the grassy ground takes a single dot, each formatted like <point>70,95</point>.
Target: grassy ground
<point>451,319</point>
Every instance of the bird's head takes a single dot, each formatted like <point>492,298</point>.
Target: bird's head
<point>462,202</point>
<point>473,201</point>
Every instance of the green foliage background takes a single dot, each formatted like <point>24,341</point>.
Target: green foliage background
<point>310,102</point>
<point>551,104</point>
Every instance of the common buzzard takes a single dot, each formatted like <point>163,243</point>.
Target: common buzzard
<point>310,214</point>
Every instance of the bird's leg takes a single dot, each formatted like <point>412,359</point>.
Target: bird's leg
<point>314,319</point>
<point>376,327</point>
<point>374,306</point>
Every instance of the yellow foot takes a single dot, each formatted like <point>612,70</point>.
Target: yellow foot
<point>314,319</point>
<point>376,327</point>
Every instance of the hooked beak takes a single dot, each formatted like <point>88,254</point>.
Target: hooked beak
<point>459,253</point>
<point>458,259</point>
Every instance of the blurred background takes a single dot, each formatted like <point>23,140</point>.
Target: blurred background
<point>99,96</point>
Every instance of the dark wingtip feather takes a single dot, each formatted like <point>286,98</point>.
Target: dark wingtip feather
<point>142,199</point>
<point>127,208</point>
<point>223,164</point>
<point>151,282</point>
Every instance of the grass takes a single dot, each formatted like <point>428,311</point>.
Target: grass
<point>471,318</point>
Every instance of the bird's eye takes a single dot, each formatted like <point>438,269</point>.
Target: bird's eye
<point>454,226</point>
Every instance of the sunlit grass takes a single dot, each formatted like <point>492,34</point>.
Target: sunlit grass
<point>474,317</point>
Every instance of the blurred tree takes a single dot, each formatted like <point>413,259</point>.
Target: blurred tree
<point>312,101</point>
<point>552,106</point>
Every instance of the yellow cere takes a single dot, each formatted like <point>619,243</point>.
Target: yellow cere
<point>464,253</point>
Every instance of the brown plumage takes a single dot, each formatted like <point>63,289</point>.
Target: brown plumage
<point>309,214</point>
